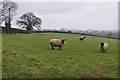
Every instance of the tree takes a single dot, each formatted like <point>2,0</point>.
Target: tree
<point>7,11</point>
<point>29,20</point>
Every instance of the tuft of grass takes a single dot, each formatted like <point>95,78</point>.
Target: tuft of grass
<point>31,56</point>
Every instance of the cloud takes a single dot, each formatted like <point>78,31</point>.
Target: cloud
<point>73,15</point>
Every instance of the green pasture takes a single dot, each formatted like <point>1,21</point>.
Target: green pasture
<point>31,56</point>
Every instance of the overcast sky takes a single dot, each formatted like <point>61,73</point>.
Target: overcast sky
<point>72,15</point>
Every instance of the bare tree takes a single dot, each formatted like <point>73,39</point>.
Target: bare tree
<point>29,20</point>
<point>7,11</point>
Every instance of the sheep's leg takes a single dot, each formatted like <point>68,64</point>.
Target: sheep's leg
<point>52,48</point>
<point>103,50</point>
<point>60,48</point>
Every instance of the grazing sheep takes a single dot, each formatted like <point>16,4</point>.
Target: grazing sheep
<point>57,43</point>
<point>103,47</point>
<point>82,38</point>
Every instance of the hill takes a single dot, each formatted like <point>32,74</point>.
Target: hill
<point>30,55</point>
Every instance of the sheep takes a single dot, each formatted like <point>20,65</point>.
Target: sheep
<point>57,43</point>
<point>82,38</point>
<point>103,47</point>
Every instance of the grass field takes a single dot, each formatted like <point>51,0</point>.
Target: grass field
<point>31,56</point>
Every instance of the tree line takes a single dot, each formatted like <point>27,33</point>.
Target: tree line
<point>28,20</point>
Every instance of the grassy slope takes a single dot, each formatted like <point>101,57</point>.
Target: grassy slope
<point>30,55</point>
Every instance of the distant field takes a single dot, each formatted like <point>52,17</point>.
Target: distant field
<point>30,55</point>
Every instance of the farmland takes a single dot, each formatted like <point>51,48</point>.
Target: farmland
<point>31,56</point>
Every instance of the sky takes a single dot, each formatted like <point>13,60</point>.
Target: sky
<point>101,15</point>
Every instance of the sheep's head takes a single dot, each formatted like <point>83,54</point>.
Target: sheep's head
<point>102,44</point>
<point>63,39</point>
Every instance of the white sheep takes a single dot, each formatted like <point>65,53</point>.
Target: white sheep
<point>57,43</point>
<point>103,47</point>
